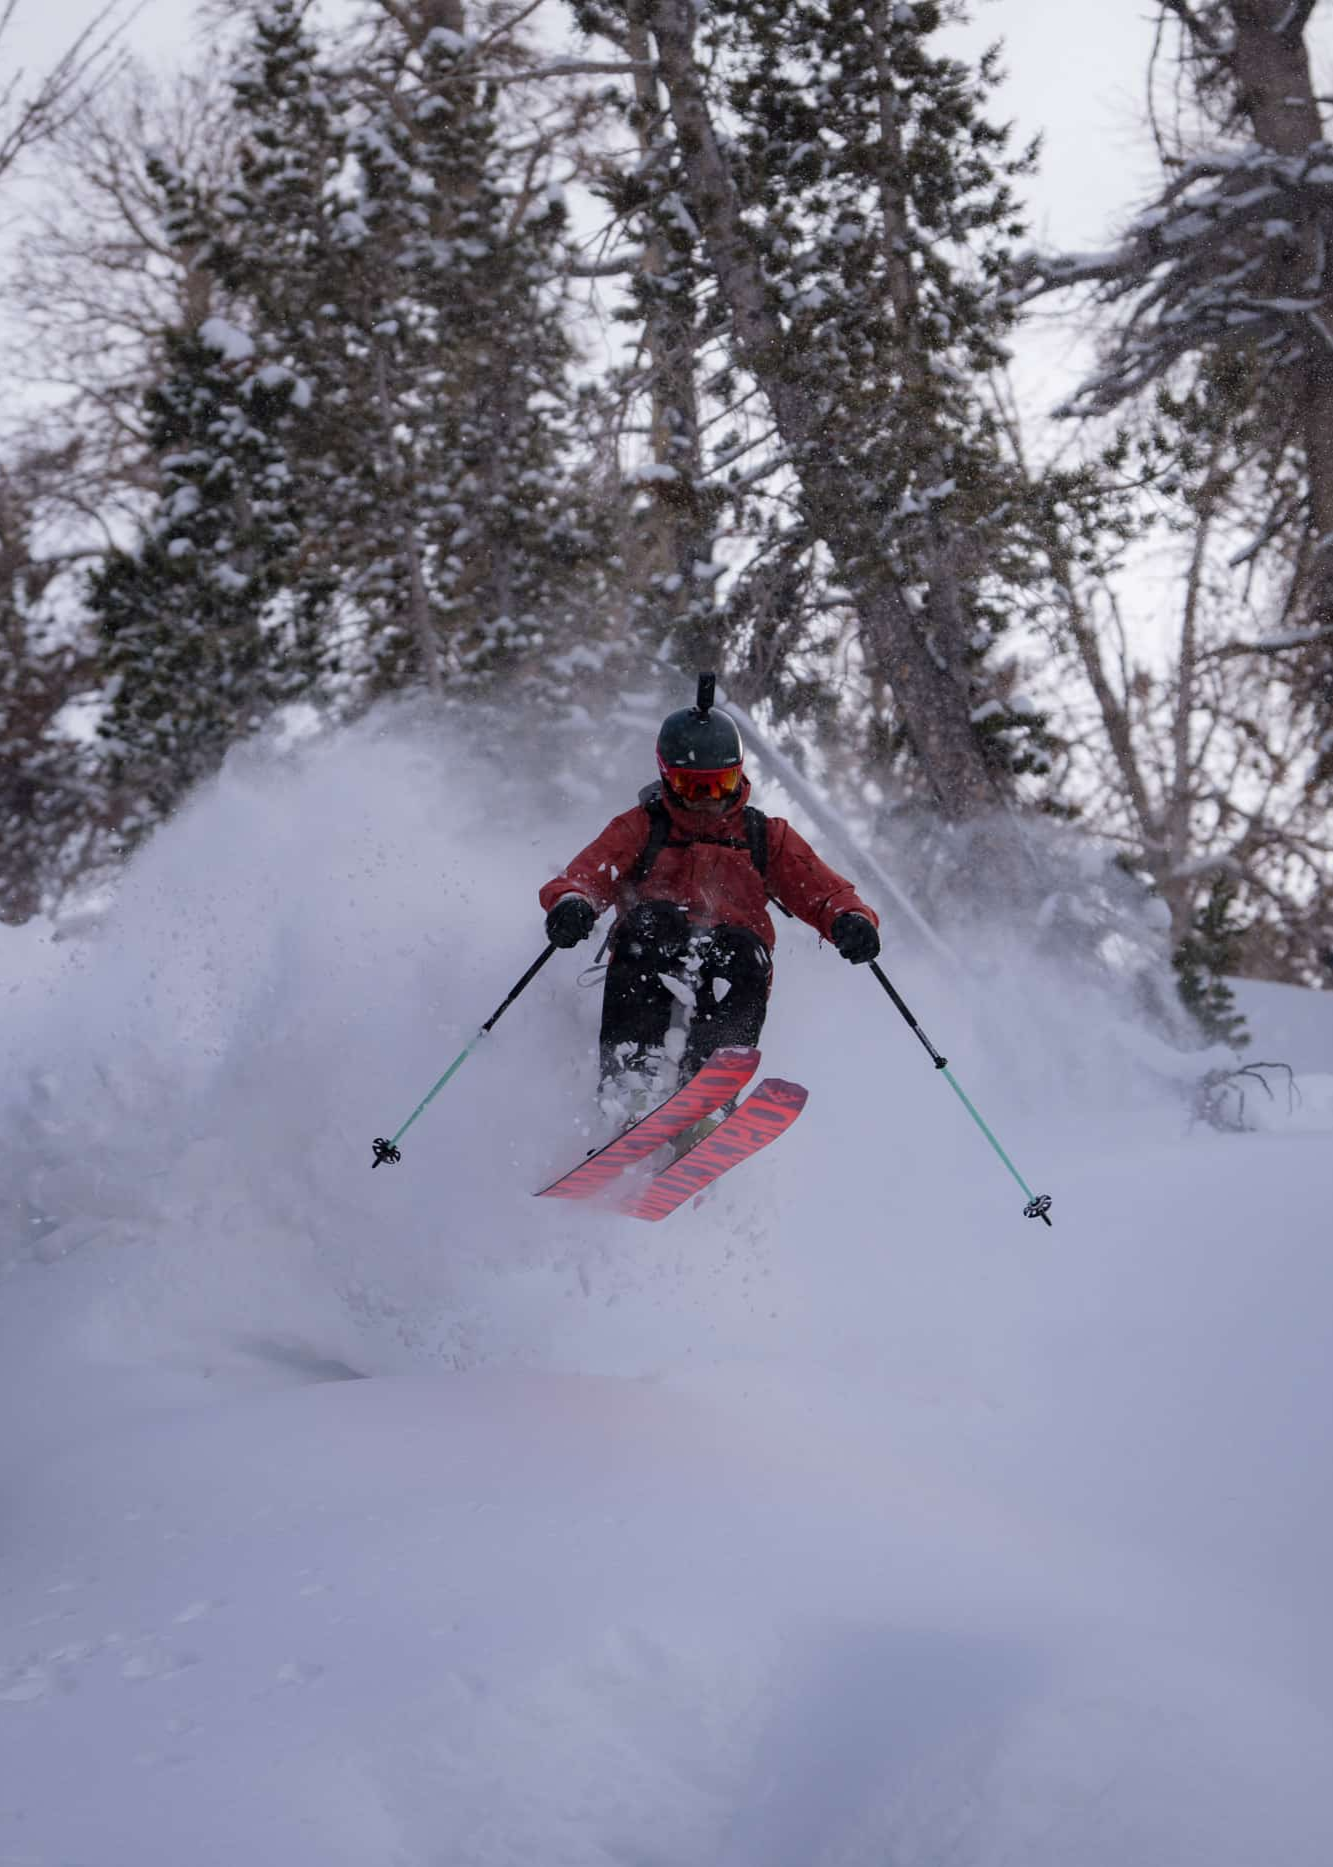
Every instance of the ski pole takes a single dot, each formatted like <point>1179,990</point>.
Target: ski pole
<point>1039,1204</point>
<point>387,1150</point>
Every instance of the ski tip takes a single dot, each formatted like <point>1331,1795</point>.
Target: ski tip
<point>738,1056</point>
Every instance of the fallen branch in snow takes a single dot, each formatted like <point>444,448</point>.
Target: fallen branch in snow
<point>1219,1096</point>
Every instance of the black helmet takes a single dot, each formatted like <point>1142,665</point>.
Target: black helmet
<point>699,750</point>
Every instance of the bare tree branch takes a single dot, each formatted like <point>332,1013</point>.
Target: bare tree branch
<point>71,83</point>
<point>561,68</point>
<point>1198,29</point>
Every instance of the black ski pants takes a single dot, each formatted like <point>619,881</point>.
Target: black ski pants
<point>727,969</point>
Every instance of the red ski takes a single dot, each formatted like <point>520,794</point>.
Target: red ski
<point>723,1076</point>
<point>761,1118</point>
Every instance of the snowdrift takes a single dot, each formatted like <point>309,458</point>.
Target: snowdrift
<point>401,1518</point>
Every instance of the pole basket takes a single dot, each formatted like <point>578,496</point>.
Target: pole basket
<point>384,1151</point>
<point>1039,1208</point>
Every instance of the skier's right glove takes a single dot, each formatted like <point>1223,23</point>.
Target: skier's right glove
<point>855,938</point>
<point>571,919</point>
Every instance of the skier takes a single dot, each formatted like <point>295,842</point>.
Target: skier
<point>689,873</point>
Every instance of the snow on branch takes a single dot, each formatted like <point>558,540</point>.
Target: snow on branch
<point>765,469</point>
<point>532,74</point>
<point>1269,644</point>
<point>1232,253</point>
<point>605,268</point>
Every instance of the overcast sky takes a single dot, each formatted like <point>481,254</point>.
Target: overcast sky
<point>1076,74</point>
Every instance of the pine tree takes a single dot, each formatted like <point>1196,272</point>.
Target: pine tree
<point>286,244</point>
<point>1206,959</point>
<point>397,265</point>
<point>514,556</point>
<point>51,810</point>
<point>201,639</point>
<point>858,222</point>
<point>519,549</point>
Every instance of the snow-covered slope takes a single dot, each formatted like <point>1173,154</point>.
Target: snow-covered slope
<point>398,1518</point>
<point>1288,1023</point>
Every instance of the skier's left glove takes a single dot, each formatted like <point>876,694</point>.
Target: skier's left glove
<point>571,919</point>
<point>855,938</point>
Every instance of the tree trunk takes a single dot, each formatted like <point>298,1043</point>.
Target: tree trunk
<point>1271,67</point>
<point>1272,71</point>
<point>682,527</point>
<point>419,617</point>
<point>933,700</point>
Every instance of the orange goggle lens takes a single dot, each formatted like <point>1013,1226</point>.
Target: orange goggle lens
<point>693,786</point>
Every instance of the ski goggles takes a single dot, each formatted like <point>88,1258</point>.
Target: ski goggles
<point>693,786</point>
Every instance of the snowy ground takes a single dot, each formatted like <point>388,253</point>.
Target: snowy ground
<point>397,1518</point>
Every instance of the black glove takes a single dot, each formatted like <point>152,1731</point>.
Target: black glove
<point>572,919</point>
<point>855,938</point>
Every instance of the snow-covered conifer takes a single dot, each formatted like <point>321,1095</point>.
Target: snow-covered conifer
<point>1205,962</point>
<point>855,204</point>
<point>514,551</point>
<point>51,808</point>
<point>201,638</point>
<point>403,262</point>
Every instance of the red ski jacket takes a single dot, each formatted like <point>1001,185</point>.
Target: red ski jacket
<point>706,867</point>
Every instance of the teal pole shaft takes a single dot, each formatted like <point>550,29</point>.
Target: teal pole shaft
<point>1039,1204</point>
<point>953,1083</point>
<point>427,1099</point>
<point>388,1150</point>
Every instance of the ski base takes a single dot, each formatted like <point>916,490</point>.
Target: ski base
<point>718,1080</point>
<point>758,1121</point>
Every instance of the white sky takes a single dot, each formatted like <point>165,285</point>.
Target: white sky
<point>1076,74</point>
<point>43,28</point>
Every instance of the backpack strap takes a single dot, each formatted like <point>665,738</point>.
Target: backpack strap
<point>659,829</point>
<point>659,834</point>
<point>756,835</point>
